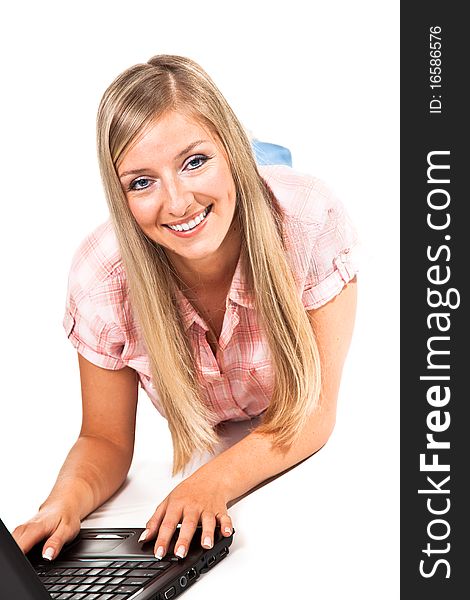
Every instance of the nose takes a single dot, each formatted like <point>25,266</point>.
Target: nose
<point>178,200</point>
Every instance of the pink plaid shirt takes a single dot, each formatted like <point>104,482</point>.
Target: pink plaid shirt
<point>320,243</point>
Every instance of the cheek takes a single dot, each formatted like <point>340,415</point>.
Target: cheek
<point>144,211</point>
<point>223,182</point>
<point>232,197</point>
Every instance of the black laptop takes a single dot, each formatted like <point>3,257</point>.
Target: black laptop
<point>104,564</point>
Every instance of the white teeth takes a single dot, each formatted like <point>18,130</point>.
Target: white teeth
<point>190,224</point>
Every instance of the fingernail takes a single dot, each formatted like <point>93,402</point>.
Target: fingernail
<point>159,553</point>
<point>181,552</point>
<point>48,553</point>
<point>227,530</point>
<point>207,543</point>
<point>144,535</point>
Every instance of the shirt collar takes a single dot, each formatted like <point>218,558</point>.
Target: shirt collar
<point>239,293</point>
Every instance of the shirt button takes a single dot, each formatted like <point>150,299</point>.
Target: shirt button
<point>212,376</point>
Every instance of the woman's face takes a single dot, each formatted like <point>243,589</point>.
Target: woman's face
<point>180,190</point>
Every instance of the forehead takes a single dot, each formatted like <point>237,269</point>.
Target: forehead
<point>166,137</point>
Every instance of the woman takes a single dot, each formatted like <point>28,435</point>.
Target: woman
<point>226,290</point>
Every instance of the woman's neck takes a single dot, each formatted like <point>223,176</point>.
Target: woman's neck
<point>214,272</point>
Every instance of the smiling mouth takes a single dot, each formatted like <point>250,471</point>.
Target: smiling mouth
<point>193,223</point>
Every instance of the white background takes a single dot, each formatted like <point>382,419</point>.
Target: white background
<point>318,77</point>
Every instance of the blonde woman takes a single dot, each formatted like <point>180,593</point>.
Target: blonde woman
<point>225,290</point>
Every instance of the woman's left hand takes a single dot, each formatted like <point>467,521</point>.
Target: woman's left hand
<point>201,498</point>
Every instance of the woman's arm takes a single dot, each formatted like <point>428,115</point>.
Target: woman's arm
<point>205,494</point>
<point>252,460</point>
<point>96,465</point>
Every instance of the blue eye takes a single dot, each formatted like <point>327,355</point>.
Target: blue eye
<point>196,161</point>
<point>141,183</point>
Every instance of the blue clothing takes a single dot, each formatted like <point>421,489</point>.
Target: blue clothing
<point>271,154</point>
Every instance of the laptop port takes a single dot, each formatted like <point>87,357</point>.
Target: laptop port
<point>170,592</point>
<point>223,552</point>
<point>183,581</point>
<point>210,560</point>
<point>192,573</point>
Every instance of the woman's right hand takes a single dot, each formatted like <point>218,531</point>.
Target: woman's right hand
<point>96,465</point>
<point>53,524</point>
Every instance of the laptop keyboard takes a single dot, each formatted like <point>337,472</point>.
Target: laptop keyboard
<point>99,580</point>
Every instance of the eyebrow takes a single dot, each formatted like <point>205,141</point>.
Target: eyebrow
<point>188,148</point>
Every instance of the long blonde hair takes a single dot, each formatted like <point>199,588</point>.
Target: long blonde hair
<point>137,98</point>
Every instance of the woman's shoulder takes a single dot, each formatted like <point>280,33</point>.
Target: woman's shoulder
<point>97,260</point>
<point>98,319</point>
<point>319,236</point>
<point>303,197</point>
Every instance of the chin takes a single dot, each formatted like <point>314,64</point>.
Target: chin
<point>195,253</point>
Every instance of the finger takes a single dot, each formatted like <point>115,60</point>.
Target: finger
<point>225,524</point>
<point>208,526</point>
<point>188,527</point>
<point>153,523</point>
<point>29,534</point>
<point>53,545</point>
<point>165,533</point>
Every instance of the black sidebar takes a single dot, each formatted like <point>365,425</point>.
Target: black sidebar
<point>435,330</point>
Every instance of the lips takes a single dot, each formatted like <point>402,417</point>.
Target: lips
<point>191,223</point>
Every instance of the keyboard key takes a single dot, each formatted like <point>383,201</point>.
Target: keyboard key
<point>131,564</point>
<point>137,581</point>
<point>143,573</point>
<point>55,572</point>
<point>158,564</point>
<point>108,572</point>
<point>125,588</point>
<point>108,589</point>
